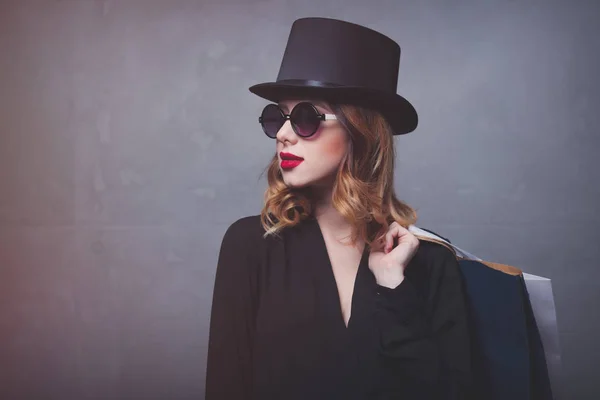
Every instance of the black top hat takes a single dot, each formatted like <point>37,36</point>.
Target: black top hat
<point>342,62</point>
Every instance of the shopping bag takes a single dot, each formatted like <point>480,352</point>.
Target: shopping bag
<point>541,300</point>
<point>514,334</point>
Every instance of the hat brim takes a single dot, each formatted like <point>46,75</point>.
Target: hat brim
<point>399,112</point>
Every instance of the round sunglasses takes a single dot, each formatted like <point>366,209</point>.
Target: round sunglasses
<point>304,117</point>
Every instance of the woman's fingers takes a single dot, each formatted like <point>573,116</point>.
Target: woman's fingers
<point>393,232</point>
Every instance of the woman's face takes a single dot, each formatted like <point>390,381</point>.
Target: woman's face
<point>322,152</point>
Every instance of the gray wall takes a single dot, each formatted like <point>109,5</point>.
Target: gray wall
<point>129,143</point>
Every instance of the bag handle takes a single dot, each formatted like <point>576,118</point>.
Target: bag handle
<point>459,253</point>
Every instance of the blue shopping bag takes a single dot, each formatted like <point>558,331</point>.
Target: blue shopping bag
<point>511,358</point>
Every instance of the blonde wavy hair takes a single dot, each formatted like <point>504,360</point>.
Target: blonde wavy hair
<point>363,188</point>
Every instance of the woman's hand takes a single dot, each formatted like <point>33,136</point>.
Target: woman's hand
<point>388,262</point>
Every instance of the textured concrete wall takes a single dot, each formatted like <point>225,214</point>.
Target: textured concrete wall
<point>129,143</point>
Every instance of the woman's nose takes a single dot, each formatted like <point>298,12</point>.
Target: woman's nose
<point>286,132</point>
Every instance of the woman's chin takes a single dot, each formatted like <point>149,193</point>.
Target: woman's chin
<point>295,184</point>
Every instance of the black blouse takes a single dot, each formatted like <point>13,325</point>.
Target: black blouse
<point>277,330</point>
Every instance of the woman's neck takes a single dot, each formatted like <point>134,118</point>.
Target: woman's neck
<point>330,220</point>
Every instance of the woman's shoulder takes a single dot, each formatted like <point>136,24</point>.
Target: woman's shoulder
<point>246,223</point>
<point>435,258</point>
<point>248,227</point>
<point>435,250</point>
<point>241,240</point>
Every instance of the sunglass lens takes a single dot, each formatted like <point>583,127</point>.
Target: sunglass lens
<point>272,120</point>
<point>305,119</point>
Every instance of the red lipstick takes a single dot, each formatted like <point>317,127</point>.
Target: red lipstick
<point>289,160</point>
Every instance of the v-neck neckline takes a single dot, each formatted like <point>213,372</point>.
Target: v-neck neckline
<point>332,280</point>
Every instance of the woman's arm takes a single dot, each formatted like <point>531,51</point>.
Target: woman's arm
<point>229,361</point>
<point>425,342</point>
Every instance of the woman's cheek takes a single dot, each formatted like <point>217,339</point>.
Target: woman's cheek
<point>334,149</point>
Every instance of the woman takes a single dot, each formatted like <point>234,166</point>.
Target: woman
<point>326,294</point>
